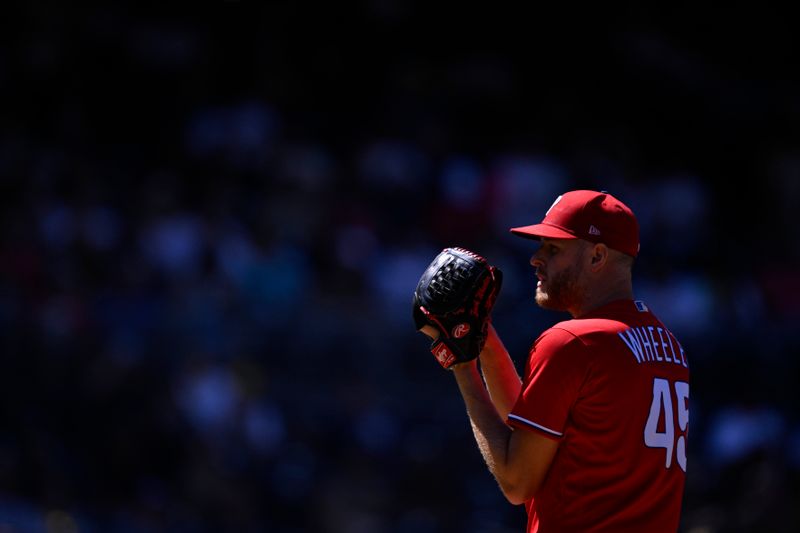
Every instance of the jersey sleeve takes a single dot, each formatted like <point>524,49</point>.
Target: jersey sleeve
<point>554,374</point>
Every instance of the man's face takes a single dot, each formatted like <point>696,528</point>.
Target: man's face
<point>559,269</point>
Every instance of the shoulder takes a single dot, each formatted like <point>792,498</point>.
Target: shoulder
<point>583,328</point>
<point>557,339</point>
<point>560,350</point>
<point>577,334</point>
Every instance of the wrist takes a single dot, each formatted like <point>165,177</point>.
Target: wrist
<point>465,366</point>
<point>493,345</point>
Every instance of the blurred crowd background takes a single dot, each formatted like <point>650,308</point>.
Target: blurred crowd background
<point>213,219</point>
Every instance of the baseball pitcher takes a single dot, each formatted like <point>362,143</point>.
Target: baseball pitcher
<point>593,436</point>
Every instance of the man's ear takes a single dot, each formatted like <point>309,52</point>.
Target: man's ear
<point>599,257</point>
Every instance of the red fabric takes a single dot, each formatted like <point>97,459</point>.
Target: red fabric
<point>593,383</point>
<point>591,216</point>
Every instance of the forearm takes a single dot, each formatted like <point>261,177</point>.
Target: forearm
<point>491,433</point>
<point>501,376</point>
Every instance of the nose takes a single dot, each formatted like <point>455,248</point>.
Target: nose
<point>536,262</point>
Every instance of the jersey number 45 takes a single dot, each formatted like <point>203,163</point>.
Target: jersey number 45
<point>662,409</point>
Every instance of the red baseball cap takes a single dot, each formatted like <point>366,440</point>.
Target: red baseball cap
<point>589,215</point>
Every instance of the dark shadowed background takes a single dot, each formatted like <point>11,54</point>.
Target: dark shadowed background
<point>213,218</point>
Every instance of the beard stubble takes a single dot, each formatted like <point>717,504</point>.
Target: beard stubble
<point>564,290</point>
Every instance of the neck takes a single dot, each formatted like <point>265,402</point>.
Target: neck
<point>601,294</point>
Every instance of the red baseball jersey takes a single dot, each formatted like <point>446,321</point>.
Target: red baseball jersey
<point>613,388</point>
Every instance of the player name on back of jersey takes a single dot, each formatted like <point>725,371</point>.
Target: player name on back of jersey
<point>653,344</point>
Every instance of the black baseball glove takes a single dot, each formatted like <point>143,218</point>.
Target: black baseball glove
<point>456,295</point>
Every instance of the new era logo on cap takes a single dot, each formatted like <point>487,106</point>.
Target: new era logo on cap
<point>593,230</point>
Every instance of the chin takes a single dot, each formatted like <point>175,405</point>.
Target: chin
<point>544,301</point>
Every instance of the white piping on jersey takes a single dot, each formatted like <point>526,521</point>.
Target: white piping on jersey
<point>534,424</point>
